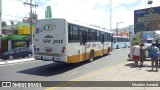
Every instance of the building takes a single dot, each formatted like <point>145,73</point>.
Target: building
<point>126,31</point>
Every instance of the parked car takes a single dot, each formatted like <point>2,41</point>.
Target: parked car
<point>17,52</point>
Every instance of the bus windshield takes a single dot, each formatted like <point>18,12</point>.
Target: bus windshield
<point>149,41</point>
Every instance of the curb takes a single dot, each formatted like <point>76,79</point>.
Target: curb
<point>15,61</point>
<point>147,59</point>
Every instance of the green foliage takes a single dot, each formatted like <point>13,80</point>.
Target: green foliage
<point>4,24</point>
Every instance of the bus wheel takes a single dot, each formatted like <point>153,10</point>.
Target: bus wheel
<point>41,58</point>
<point>91,56</point>
<point>108,51</point>
<point>117,47</point>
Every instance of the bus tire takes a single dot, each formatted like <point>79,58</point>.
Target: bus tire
<point>108,50</point>
<point>91,56</point>
<point>41,58</point>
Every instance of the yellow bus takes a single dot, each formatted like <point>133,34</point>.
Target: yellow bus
<point>62,40</point>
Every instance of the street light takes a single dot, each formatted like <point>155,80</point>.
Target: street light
<point>117,27</point>
<point>150,2</point>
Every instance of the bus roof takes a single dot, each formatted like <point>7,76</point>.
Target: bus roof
<point>80,24</point>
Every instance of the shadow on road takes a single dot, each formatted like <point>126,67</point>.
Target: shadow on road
<point>55,68</point>
<point>51,69</point>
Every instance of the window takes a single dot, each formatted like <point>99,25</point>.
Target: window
<point>92,35</point>
<point>108,37</point>
<point>102,37</point>
<point>70,31</point>
<point>73,33</point>
<point>114,40</point>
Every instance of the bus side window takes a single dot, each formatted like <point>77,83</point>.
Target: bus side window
<point>102,37</point>
<point>80,37</point>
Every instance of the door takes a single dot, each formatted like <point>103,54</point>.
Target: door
<point>83,40</point>
<point>102,43</point>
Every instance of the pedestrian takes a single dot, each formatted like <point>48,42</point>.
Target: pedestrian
<point>136,53</point>
<point>154,55</point>
<point>158,45</point>
<point>159,57</point>
<point>142,54</point>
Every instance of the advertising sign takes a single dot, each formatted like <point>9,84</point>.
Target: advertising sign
<point>15,37</point>
<point>147,19</point>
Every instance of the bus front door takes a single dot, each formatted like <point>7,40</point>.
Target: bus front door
<point>83,40</point>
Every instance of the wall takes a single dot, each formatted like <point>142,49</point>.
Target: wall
<point>24,28</point>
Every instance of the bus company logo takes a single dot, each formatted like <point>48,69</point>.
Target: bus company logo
<point>48,27</point>
<point>150,11</point>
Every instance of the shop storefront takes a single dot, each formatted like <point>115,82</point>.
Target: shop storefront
<point>14,40</point>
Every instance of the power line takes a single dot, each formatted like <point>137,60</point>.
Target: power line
<point>10,20</point>
<point>13,16</point>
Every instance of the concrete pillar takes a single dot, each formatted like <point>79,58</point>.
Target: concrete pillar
<point>0,20</point>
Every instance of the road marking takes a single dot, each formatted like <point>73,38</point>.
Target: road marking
<point>87,76</point>
<point>13,62</point>
<point>2,63</point>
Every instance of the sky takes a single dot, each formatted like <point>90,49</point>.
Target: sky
<point>95,12</point>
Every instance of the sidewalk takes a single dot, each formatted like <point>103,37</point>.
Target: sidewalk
<point>121,72</point>
<point>4,62</point>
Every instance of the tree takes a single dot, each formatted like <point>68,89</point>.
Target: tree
<point>4,24</point>
<point>12,23</point>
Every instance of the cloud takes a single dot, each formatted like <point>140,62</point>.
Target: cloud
<point>89,11</point>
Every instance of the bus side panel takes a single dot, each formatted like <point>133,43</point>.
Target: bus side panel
<point>74,54</point>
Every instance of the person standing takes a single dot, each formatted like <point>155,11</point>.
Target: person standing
<point>142,54</point>
<point>136,53</point>
<point>159,57</point>
<point>158,45</point>
<point>154,55</point>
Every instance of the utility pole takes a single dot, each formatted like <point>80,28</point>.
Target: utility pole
<point>31,23</point>
<point>110,14</point>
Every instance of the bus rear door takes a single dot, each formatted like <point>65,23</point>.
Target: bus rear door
<point>83,40</point>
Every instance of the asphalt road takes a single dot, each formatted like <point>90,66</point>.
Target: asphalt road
<point>49,71</point>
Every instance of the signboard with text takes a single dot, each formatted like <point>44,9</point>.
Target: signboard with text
<point>147,19</point>
<point>16,37</point>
